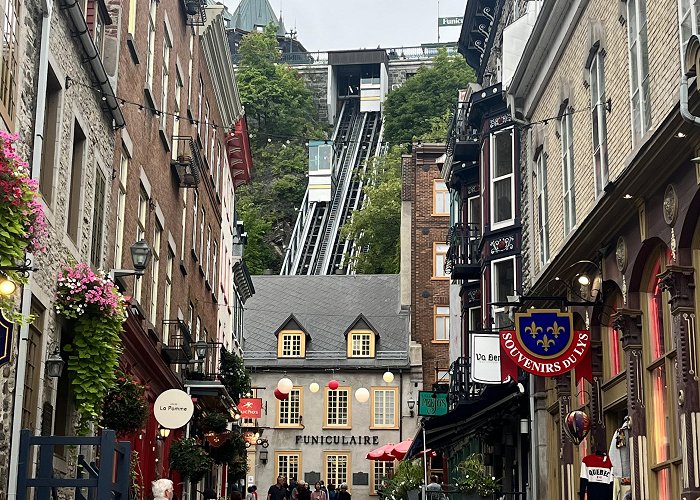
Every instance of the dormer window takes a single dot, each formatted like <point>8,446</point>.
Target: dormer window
<point>361,344</point>
<point>291,344</point>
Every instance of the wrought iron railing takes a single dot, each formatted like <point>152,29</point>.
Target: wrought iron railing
<point>178,346</point>
<point>463,245</point>
<point>461,386</point>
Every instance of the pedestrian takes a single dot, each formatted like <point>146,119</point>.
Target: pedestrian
<point>323,488</point>
<point>209,494</point>
<point>162,489</point>
<point>318,493</point>
<point>302,491</point>
<point>332,492</point>
<point>277,491</point>
<point>252,493</point>
<point>433,491</point>
<point>236,495</point>
<point>344,494</point>
<point>291,487</point>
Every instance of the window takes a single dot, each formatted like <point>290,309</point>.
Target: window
<point>441,324</point>
<point>567,165</point>
<point>361,344</point>
<point>151,54</point>
<point>614,355</point>
<point>208,254</point>
<point>98,217</point>
<point>176,111</point>
<point>688,19</point>
<point>442,376</point>
<point>502,285</point>
<point>200,248</point>
<point>183,224</point>
<point>384,407</point>
<point>195,208</point>
<point>206,131</point>
<point>34,360</point>
<point>381,472</point>
<point>49,144</point>
<point>441,198</point>
<point>76,181</point>
<point>132,18</point>
<point>217,173</point>
<point>660,392</point>
<point>439,254</point>
<point>291,344</point>
<point>502,185</point>
<point>155,270</point>
<point>337,467</point>
<point>99,33</point>
<point>121,206</point>
<point>8,84</point>
<point>141,234</point>
<point>338,407</point>
<point>475,319</point>
<point>198,329</point>
<point>542,210</point>
<point>598,119</point>
<point>168,290</point>
<point>165,75</point>
<point>214,264</point>
<point>199,106</point>
<point>289,410</point>
<point>639,68</point>
<point>190,316</point>
<point>288,464</point>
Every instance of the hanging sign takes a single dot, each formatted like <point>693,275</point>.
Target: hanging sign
<point>450,21</point>
<point>6,329</point>
<point>432,404</point>
<point>545,343</point>
<point>173,408</point>
<point>485,363</point>
<point>250,407</point>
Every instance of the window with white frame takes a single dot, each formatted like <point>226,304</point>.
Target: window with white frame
<point>384,401</point>
<point>195,209</point>
<point>441,324</point>
<point>382,471</point>
<point>639,68</point>
<point>288,464</point>
<point>439,256</point>
<point>207,256</point>
<point>455,207</point>
<point>542,206</point>
<point>200,96</point>
<point>598,120</point>
<point>289,410</point>
<point>165,76</point>
<point>202,225</point>
<point>291,344</point>
<point>441,198</point>
<point>121,206</point>
<point>176,112</point>
<point>155,270</point>
<point>360,344</point>
<point>502,285</point>
<point>567,166</point>
<point>142,214</point>
<point>151,52</point>
<point>688,20</point>
<point>475,319</point>
<point>168,290</point>
<point>98,217</point>
<point>337,467</point>
<point>502,183</point>
<point>338,407</point>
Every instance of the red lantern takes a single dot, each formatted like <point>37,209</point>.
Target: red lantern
<point>333,385</point>
<point>280,395</point>
<point>576,426</point>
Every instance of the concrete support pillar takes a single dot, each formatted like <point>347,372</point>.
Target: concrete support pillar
<point>629,323</point>
<point>680,283</point>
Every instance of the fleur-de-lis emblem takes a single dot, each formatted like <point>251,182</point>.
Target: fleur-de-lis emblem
<point>533,330</point>
<point>545,342</point>
<point>556,330</point>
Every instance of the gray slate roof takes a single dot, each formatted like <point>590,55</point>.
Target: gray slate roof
<point>251,13</point>
<point>325,306</point>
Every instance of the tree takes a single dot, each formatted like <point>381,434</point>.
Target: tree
<point>412,110</point>
<point>281,114</point>
<point>376,228</point>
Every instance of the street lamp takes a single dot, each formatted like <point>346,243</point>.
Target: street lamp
<point>7,286</point>
<point>140,256</point>
<point>163,433</point>
<point>200,348</point>
<point>55,364</point>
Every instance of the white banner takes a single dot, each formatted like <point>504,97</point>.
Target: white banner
<point>485,356</point>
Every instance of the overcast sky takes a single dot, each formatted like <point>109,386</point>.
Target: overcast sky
<point>354,24</point>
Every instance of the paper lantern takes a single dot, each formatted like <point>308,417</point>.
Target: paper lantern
<point>362,395</point>
<point>333,385</point>
<point>388,377</point>
<point>314,387</point>
<point>576,426</point>
<point>285,385</point>
<point>280,395</point>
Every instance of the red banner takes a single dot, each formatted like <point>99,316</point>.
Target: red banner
<point>250,408</point>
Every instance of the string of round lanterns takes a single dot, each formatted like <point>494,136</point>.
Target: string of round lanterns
<point>362,395</point>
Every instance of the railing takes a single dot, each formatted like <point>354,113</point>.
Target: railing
<point>463,246</point>
<point>458,129</point>
<point>179,345</point>
<point>461,388</point>
<point>326,355</point>
<point>415,53</point>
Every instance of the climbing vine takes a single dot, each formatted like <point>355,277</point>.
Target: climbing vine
<point>98,310</point>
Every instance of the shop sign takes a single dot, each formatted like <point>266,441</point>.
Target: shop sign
<point>432,404</point>
<point>545,343</point>
<point>450,21</point>
<point>485,351</point>
<point>328,439</point>
<point>250,407</point>
<point>173,408</point>
<point>6,329</point>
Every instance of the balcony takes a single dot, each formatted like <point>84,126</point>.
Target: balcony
<point>178,348</point>
<point>462,260</point>
<point>188,164</point>
<point>462,140</point>
<point>196,12</point>
<point>461,387</point>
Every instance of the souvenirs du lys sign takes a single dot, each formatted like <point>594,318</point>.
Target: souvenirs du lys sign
<point>545,343</point>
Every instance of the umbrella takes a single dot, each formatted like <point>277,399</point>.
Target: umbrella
<point>401,449</point>
<point>382,454</point>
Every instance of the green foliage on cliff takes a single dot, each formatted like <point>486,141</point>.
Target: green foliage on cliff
<point>281,117</point>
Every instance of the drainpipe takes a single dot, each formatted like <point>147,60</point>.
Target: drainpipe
<point>21,362</point>
<point>685,113</point>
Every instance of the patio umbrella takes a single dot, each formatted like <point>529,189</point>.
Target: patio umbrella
<point>382,454</point>
<point>401,449</point>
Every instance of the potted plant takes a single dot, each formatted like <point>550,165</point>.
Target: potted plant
<point>190,459</point>
<point>405,482</point>
<point>473,480</point>
<point>125,407</point>
<point>214,421</point>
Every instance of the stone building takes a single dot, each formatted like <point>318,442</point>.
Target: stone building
<point>53,55</point>
<point>314,329</point>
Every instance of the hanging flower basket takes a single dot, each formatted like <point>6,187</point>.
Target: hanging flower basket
<point>125,408</point>
<point>22,222</point>
<point>473,480</point>
<point>98,310</point>
<point>190,459</point>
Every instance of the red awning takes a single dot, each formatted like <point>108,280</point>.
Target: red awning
<point>240,159</point>
<point>382,454</point>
